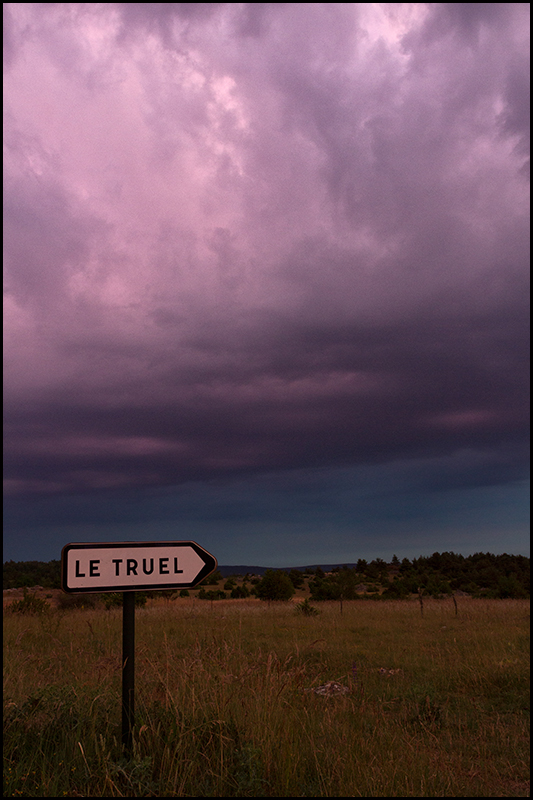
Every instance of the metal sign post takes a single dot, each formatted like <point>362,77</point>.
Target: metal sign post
<point>128,567</point>
<point>128,668</point>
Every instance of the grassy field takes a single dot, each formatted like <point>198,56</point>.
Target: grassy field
<point>438,705</point>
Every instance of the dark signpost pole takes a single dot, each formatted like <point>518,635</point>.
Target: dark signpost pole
<point>128,667</point>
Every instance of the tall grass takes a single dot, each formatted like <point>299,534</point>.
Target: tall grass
<point>437,704</point>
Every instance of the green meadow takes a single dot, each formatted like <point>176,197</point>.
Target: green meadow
<point>435,704</point>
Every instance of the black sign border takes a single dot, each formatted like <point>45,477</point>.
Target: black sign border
<point>210,565</point>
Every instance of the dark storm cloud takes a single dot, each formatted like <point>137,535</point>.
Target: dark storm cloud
<point>313,397</point>
<point>249,238</point>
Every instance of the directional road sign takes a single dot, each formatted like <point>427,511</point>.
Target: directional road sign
<point>133,566</point>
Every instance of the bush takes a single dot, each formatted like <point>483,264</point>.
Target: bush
<point>275,585</point>
<point>114,599</point>
<point>30,604</point>
<point>212,579</point>
<point>307,609</point>
<point>239,592</point>
<point>69,601</point>
<point>212,594</point>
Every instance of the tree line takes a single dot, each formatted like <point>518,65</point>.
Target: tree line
<point>438,575</point>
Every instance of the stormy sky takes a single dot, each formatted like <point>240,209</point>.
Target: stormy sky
<point>266,278</point>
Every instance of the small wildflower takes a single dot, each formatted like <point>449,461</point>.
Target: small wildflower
<point>330,688</point>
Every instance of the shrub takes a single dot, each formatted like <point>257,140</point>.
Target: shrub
<point>307,609</point>
<point>239,592</point>
<point>211,594</point>
<point>275,585</point>
<point>30,604</point>
<point>114,599</point>
<point>68,601</point>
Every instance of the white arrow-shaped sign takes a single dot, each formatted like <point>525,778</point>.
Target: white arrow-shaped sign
<point>133,566</point>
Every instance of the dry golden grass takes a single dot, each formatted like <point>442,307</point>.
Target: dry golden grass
<point>437,705</point>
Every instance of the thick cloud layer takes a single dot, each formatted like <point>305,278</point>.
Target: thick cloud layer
<point>255,237</point>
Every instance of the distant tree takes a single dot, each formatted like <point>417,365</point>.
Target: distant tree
<point>32,573</point>
<point>275,585</point>
<point>405,565</point>
<point>395,590</point>
<point>340,585</point>
<point>322,589</point>
<point>373,570</point>
<point>211,594</point>
<point>212,579</point>
<point>239,592</point>
<point>297,578</point>
<point>509,586</point>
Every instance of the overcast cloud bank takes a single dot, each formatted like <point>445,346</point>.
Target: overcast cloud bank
<point>250,245</point>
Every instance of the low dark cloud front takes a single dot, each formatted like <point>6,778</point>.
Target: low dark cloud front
<point>266,278</point>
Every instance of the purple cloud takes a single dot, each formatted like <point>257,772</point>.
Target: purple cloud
<point>249,238</point>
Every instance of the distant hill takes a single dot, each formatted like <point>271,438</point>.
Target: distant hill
<point>240,569</point>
